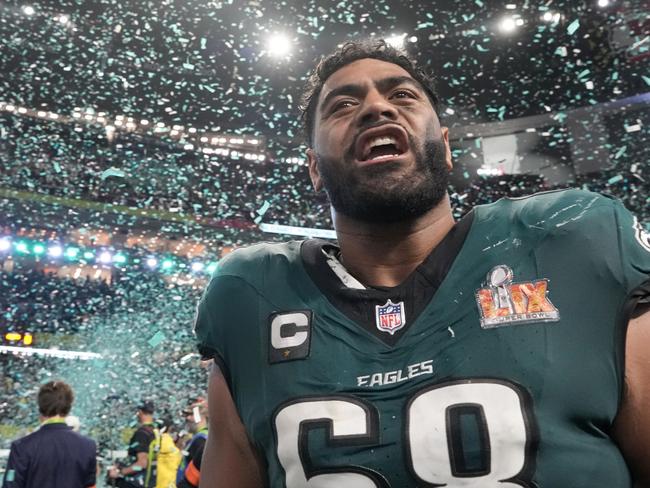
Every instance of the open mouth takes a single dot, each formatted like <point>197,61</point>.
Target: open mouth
<point>381,144</point>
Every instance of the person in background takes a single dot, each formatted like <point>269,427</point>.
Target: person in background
<point>134,475</point>
<point>196,418</point>
<point>167,456</point>
<point>54,456</point>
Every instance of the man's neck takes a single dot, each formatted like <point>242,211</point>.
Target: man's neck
<point>56,419</point>
<point>386,254</point>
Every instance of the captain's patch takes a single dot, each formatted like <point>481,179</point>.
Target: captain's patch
<point>390,317</point>
<point>503,302</point>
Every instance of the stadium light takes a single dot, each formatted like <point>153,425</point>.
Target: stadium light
<point>38,249</point>
<point>603,3</point>
<point>105,257</point>
<point>71,252</point>
<point>197,266</point>
<point>508,25</point>
<point>5,244</point>
<point>167,264</point>
<point>57,353</point>
<point>119,259</point>
<point>89,255</point>
<point>55,251</point>
<point>396,41</point>
<point>279,45</point>
<point>152,262</point>
<point>28,10</point>
<point>22,247</point>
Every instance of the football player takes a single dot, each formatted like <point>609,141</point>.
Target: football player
<point>508,349</point>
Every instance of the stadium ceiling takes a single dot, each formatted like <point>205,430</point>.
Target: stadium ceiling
<point>238,66</point>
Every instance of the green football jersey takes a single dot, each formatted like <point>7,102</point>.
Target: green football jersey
<point>498,363</point>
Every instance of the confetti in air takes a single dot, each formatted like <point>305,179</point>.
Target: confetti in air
<point>142,141</point>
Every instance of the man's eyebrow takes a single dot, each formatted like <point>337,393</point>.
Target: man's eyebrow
<point>382,85</point>
<point>386,84</point>
<point>351,89</point>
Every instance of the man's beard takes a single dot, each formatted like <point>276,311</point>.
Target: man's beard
<point>383,194</point>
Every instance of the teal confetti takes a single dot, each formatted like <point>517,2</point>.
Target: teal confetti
<point>614,179</point>
<point>263,209</point>
<point>646,79</point>
<point>157,338</point>
<point>573,27</point>
<point>116,172</point>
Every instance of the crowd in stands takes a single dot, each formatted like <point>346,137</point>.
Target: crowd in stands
<point>50,158</point>
<point>37,301</point>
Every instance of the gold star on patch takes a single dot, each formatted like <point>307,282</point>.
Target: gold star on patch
<point>286,353</point>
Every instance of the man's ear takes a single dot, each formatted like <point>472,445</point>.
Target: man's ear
<point>445,138</point>
<point>314,172</point>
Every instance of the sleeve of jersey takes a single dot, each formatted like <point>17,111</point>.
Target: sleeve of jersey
<point>228,305</point>
<point>634,244</point>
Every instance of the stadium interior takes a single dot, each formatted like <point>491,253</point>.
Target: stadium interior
<point>142,141</point>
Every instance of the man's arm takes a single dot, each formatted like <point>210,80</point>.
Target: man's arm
<point>632,425</point>
<point>15,469</point>
<point>141,462</point>
<point>229,458</point>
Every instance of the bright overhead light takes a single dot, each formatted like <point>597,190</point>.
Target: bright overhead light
<point>603,3</point>
<point>71,252</point>
<point>508,25</point>
<point>547,17</point>
<point>64,19</point>
<point>105,257</point>
<point>197,266</point>
<point>279,45</point>
<point>5,244</point>
<point>55,251</point>
<point>396,41</point>
<point>28,10</point>
<point>152,262</point>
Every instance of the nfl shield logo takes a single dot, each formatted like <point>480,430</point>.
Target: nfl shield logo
<point>390,317</point>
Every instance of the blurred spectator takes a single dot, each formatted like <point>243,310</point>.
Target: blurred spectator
<point>196,418</point>
<point>168,456</point>
<point>53,456</point>
<point>138,474</point>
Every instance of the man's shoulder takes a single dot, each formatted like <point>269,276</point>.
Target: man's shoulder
<point>43,436</point>
<point>254,259</point>
<point>551,209</point>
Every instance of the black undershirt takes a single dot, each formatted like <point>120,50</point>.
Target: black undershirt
<point>416,291</point>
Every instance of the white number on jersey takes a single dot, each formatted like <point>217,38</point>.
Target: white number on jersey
<point>433,427</point>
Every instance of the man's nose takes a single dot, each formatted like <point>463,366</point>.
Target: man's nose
<point>376,107</point>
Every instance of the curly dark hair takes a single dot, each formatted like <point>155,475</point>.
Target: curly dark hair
<point>346,54</point>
